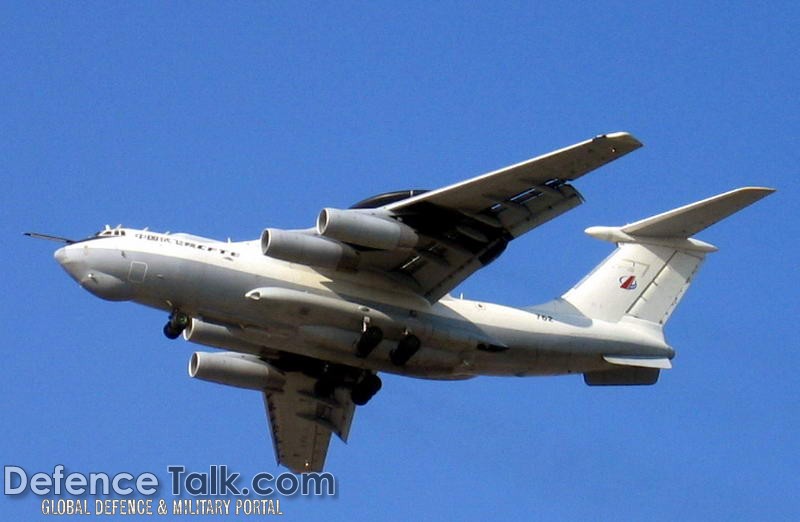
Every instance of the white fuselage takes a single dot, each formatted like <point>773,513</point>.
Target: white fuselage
<point>268,304</point>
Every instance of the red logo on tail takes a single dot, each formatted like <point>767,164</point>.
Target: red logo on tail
<point>627,282</point>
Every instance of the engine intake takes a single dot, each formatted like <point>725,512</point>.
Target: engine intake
<point>234,369</point>
<point>307,249</point>
<point>368,230</point>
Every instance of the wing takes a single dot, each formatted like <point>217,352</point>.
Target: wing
<point>301,424</point>
<point>464,227</point>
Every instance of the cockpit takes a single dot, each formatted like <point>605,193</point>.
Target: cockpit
<point>108,231</point>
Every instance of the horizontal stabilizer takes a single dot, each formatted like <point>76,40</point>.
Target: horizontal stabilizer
<point>684,222</point>
<point>640,362</point>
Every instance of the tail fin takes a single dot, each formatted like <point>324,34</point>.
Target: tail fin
<point>655,261</point>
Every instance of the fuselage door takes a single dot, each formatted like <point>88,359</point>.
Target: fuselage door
<point>137,272</point>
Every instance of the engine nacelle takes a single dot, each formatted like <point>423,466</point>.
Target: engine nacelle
<point>234,369</point>
<point>360,228</point>
<point>306,249</point>
<point>217,336</point>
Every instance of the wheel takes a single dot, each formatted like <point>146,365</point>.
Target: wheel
<point>179,320</point>
<point>406,349</point>
<point>368,340</point>
<point>366,389</point>
<point>372,383</point>
<point>171,332</point>
<point>359,397</point>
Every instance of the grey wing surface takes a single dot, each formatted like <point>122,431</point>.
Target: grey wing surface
<point>465,226</point>
<point>301,424</point>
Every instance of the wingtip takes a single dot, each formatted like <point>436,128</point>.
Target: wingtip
<point>621,138</point>
<point>755,192</point>
<point>765,190</point>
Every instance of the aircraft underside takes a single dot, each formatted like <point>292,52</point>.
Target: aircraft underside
<point>309,317</point>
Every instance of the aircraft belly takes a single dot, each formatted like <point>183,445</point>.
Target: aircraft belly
<point>218,295</point>
<point>295,315</point>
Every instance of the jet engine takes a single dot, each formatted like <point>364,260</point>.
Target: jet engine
<point>368,230</point>
<point>218,336</point>
<point>307,249</point>
<point>234,369</point>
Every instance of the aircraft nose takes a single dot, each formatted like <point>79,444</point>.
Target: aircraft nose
<point>93,272</point>
<point>72,262</point>
<point>61,255</point>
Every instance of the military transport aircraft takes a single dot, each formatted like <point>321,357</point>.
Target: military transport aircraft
<point>310,317</point>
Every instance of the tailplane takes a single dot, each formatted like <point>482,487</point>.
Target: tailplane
<point>655,260</point>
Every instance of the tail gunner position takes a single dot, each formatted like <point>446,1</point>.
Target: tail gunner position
<point>310,317</point>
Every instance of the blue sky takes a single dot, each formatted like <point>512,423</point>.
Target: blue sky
<point>224,118</point>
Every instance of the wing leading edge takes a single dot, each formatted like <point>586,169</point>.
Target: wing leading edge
<point>465,226</point>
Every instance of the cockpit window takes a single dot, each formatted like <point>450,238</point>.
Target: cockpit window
<point>106,232</point>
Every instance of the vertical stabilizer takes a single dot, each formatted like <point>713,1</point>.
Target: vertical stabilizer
<point>645,281</point>
<point>655,261</point>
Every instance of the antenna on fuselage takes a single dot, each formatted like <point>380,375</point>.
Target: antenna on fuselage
<point>48,237</point>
